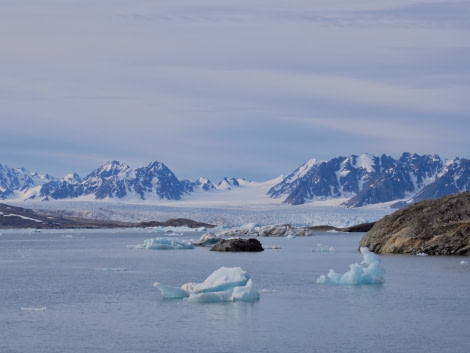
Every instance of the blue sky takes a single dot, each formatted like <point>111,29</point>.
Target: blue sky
<point>232,88</point>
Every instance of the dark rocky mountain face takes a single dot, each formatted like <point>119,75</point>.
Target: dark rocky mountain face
<point>369,179</point>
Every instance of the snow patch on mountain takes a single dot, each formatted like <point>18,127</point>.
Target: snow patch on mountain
<point>303,169</point>
<point>365,161</point>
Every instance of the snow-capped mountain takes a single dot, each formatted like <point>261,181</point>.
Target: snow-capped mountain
<point>368,179</point>
<point>204,184</point>
<point>357,180</point>
<point>117,180</point>
<point>19,179</point>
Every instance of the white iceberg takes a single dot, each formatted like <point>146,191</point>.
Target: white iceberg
<point>227,284</point>
<point>164,243</point>
<point>369,271</point>
<point>207,239</point>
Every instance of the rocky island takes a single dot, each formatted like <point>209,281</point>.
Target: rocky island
<point>433,227</point>
<point>238,245</point>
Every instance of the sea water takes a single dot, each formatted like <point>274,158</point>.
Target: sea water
<point>92,291</point>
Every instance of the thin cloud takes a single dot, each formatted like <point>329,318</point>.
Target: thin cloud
<point>203,86</point>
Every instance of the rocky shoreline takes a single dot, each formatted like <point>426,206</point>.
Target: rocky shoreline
<point>13,217</point>
<point>435,227</point>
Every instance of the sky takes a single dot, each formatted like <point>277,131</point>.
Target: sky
<point>231,88</point>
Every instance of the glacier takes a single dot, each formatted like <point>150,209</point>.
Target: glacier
<point>218,212</point>
<point>227,284</point>
<point>369,271</point>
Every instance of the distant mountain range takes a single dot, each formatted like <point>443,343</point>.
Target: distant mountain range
<point>368,179</point>
<point>359,179</point>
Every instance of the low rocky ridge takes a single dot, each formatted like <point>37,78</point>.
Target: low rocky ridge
<point>434,227</point>
<point>175,222</point>
<point>248,245</point>
<point>12,217</point>
<point>359,228</point>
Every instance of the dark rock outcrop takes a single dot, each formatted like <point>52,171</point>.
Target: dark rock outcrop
<point>358,228</point>
<point>249,245</point>
<point>434,227</point>
<point>175,222</point>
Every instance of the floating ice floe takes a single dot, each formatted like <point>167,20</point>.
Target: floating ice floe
<point>369,271</point>
<point>227,284</point>
<point>164,243</point>
<point>176,230</point>
<point>324,248</point>
<point>274,247</point>
<point>112,269</point>
<point>27,308</point>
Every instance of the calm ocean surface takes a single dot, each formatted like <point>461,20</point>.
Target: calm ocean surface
<point>84,291</point>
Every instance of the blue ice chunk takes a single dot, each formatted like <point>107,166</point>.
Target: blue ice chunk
<point>369,271</point>
<point>171,292</point>
<point>164,243</point>
<point>211,297</point>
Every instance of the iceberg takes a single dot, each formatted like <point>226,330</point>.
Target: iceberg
<point>369,271</point>
<point>207,239</point>
<point>164,243</point>
<point>227,284</point>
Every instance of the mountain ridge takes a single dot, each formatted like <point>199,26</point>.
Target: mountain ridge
<point>358,179</point>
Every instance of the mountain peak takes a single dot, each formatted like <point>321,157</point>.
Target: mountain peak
<point>358,179</point>
<point>367,179</point>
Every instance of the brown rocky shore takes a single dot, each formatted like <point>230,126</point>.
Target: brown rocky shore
<point>434,227</point>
